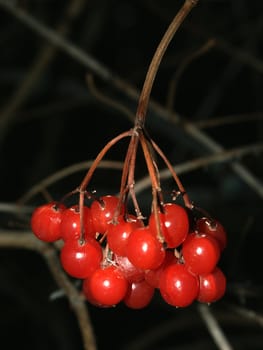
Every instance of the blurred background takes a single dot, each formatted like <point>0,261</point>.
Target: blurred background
<point>70,71</point>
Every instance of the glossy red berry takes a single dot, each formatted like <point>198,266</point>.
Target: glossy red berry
<point>144,249</point>
<point>174,224</point>
<point>139,295</point>
<point>102,212</point>
<point>70,223</point>
<point>106,286</point>
<point>129,271</point>
<point>213,228</point>
<point>212,286</point>
<point>46,221</point>
<point>118,233</point>
<point>152,277</point>
<point>200,253</point>
<point>81,260</point>
<point>178,286</point>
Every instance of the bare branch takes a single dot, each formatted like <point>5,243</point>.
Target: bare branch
<point>43,58</point>
<point>63,173</point>
<point>230,119</point>
<point>26,240</point>
<point>107,100</point>
<point>194,164</point>
<point>208,45</point>
<point>214,327</point>
<point>247,313</point>
<point>100,70</point>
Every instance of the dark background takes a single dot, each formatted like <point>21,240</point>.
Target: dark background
<point>60,122</point>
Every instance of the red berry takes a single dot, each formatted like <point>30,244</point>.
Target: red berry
<point>178,286</point>
<point>70,223</point>
<point>212,286</point>
<point>102,212</point>
<point>46,220</point>
<point>144,249</point>
<point>213,228</point>
<point>129,271</point>
<point>200,253</point>
<point>117,234</point>
<point>106,286</point>
<point>139,295</point>
<point>174,224</point>
<point>81,260</point>
<point>152,277</point>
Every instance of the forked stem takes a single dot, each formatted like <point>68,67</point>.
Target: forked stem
<point>137,134</point>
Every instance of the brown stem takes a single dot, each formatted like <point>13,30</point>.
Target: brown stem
<point>186,199</point>
<point>155,183</point>
<point>126,166</point>
<point>156,60</point>
<point>131,180</point>
<point>81,217</point>
<point>99,157</point>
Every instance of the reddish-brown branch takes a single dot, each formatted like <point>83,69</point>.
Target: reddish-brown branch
<point>157,58</point>
<point>99,157</point>
<point>155,183</point>
<point>181,188</point>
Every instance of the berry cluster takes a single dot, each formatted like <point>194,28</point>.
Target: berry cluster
<point>122,259</point>
<point>119,256</point>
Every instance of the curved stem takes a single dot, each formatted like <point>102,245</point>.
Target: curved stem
<point>99,157</point>
<point>181,188</point>
<point>156,60</point>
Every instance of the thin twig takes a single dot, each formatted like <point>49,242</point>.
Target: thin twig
<point>15,208</point>
<point>143,183</point>
<point>63,173</point>
<point>26,240</point>
<point>157,58</point>
<point>171,95</point>
<point>43,58</point>
<point>229,119</point>
<point>197,163</point>
<point>213,327</point>
<point>237,167</point>
<point>113,103</point>
<point>104,73</point>
<point>247,313</point>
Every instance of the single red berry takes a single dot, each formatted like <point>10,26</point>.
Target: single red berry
<point>129,271</point>
<point>81,260</point>
<point>118,233</point>
<point>212,286</point>
<point>174,224</point>
<point>89,297</point>
<point>106,286</point>
<point>70,223</point>
<point>213,228</point>
<point>139,295</point>
<point>201,253</point>
<point>102,212</point>
<point>46,221</point>
<point>178,286</point>
<point>144,249</point>
<point>152,277</point>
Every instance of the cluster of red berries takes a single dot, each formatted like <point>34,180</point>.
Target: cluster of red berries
<point>120,259</point>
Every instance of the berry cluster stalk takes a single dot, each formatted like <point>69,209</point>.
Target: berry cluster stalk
<point>138,135</point>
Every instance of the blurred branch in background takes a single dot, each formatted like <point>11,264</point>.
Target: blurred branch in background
<point>193,138</point>
<point>189,129</point>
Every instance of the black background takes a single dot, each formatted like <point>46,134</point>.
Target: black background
<point>61,123</point>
